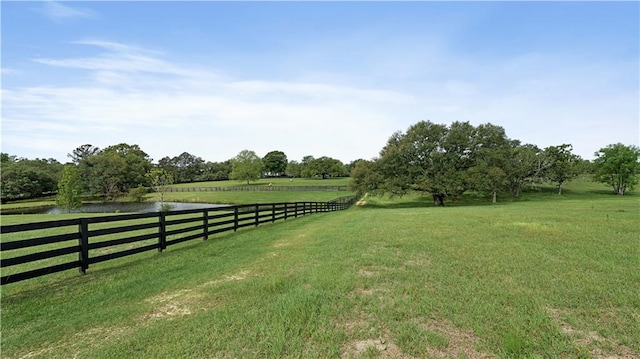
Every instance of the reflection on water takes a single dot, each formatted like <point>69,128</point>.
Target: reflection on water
<point>111,207</point>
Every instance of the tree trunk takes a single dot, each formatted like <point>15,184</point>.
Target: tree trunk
<point>438,199</point>
<point>495,195</point>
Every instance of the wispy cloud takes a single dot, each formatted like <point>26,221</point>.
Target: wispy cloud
<point>134,95</point>
<point>58,12</point>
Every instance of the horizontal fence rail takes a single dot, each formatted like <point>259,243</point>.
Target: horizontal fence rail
<point>256,188</point>
<point>77,243</point>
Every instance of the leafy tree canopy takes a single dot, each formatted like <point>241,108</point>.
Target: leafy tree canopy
<point>617,166</point>
<point>275,163</point>
<point>246,166</point>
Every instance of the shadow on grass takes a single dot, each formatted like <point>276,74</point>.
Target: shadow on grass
<point>472,199</point>
<point>469,200</point>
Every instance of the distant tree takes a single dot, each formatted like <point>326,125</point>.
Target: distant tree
<point>443,161</point>
<point>275,163</point>
<point>306,169</point>
<point>562,164</point>
<point>430,158</point>
<point>246,166</point>
<point>617,165</point>
<point>159,181</point>
<point>293,169</point>
<point>525,166</point>
<point>488,174</point>
<point>215,171</point>
<point>69,188</point>
<point>324,167</point>
<point>108,172</point>
<point>25,178</point>
<point>83,157</point>
<point>82,153</point>
<point>351,165</point>
<point>189,167</point>
<point>115,170</point>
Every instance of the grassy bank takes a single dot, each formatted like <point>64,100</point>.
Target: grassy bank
<point>546,276</point>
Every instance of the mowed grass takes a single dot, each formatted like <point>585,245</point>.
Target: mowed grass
<point>250,197</point>
<point>547,276</point>
<point>294,182</point>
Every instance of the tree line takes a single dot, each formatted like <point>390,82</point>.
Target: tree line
<point>440,160</point>
<point>445,161</point>
<point>125,169</point>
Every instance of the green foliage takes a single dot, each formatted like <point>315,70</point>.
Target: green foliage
<point>563,165</point>
<point>445,161</point>
<point>293,169</point>
<point>617,166</point>
<point>69,189</point>
<point>364,178</point>
<point>113,170</point>
<point>524,166</point>
<point>184,168</point>
<point>215,171</point>
<point>275,163</point>
<point>159,180</point>
<point>324,167</point>
<point>138,194</point>
<point>246,166</point>
<point>23,178</point>
<point>492,148</point>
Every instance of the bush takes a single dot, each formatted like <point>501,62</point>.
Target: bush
<point>138,194</point>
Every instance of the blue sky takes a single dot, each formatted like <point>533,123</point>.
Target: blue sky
<point>313,78</point>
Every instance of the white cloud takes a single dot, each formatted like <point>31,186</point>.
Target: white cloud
<point>130,94</point>
<point>166,108</point>
<point>58,12</point>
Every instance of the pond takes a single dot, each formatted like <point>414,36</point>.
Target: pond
<point>112,207</point>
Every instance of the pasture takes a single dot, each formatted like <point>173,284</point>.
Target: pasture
<point>545,276</point>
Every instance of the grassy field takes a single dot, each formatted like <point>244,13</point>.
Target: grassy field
<point>274,181</point>
<point>545,276</point>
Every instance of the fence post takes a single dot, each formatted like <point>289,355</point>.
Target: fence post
<point>256,216</point>
<point>286,213</point>
<point>162,231</point>
<point>273,212</point>
<point>295,210</point>
<point>235,218</point>
<point>205,220</point>
<point>83,253</point>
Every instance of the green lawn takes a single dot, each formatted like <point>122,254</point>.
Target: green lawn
<point>274,181</point>
<point>545,276</point>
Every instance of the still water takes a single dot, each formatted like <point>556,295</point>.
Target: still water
<point>111,207</point>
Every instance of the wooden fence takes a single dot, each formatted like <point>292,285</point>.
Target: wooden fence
<point>256,188</point>
<point>27,253</point>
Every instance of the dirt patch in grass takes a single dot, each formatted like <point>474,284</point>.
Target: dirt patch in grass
<point>366,273</point>
<point>421,262</point>
<point>460,343</point>
<point>186,301</point>
<point>92,337</point>
<point>598,346</point>
<point>380,348</point>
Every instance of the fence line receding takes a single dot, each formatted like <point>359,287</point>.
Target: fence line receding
<point>77,243</point>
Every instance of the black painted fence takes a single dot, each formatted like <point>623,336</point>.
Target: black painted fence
<point>256,188</point>
<point>27,254</point>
